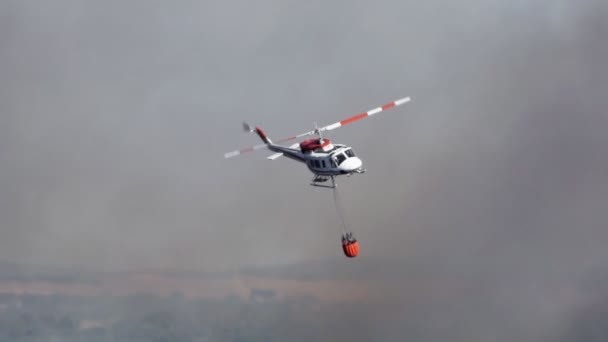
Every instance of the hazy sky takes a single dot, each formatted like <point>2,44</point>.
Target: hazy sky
<point>114,117</point>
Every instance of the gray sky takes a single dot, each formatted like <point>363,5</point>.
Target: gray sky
<point>115,116</point>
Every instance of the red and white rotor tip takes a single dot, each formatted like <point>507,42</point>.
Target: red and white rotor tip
<point>244,150</point>
<point>366,114</point>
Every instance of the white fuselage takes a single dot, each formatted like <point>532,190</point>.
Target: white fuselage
<point>337,160</point>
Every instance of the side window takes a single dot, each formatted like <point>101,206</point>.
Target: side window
<point>333,162</point>
<point>317,164</point>
<point>349,153</point>
<point>323,163</point>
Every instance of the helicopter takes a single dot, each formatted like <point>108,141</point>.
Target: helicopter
<point>325,159</point>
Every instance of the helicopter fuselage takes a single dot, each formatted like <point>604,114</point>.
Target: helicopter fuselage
<point>327,160</point>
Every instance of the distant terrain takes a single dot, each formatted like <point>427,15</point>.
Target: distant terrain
<point>327,300</point>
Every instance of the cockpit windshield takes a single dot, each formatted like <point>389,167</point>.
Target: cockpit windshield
<point>340,157</point>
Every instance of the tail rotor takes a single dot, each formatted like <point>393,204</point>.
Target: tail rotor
<point>247,128</point>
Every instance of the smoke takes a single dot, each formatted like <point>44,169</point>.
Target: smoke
<point>115,116</point>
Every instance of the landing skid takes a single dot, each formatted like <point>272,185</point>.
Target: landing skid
<point>317,179</point>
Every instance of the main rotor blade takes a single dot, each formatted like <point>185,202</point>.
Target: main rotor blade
<point>365,115</point>
<point>350,120</point>
<point>243,150</point>
<point>296,137</point>
<point>257,147</point>
<point>325,128</point>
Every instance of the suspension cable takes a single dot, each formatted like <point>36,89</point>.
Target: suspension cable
<point>339,209</point>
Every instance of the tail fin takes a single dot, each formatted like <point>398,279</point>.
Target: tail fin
<point>259,132</point>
